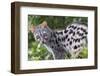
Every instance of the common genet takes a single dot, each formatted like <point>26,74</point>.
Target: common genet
<point>70,40</point>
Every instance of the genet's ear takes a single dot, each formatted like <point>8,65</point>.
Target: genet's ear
<point>43,24</point>
<point>32,28</point>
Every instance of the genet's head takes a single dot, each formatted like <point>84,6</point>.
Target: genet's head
<point>41,32</point>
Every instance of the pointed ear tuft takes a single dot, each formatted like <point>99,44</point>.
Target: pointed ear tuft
<point>44,24</point>
<point>32,28</point>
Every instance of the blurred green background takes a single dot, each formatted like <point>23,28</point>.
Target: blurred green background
<point>54,22</point>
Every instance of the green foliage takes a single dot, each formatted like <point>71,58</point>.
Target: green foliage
<point>84,53</point>
<point>35,53</point>
<point>54,22</point>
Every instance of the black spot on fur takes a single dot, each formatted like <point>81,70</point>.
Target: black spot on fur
<point>54,35</point>
<point>58,45</point>
<point>86,33</point>
<point>52,40</point>
<point>77,40</point>
<point>78,46</point>
<point>66,36</point>
<point>78,28</point>
<point>64,45</point>
<point>68,39</point>
<point>65,31</point>
<point>71,31</point>
<point>78,32</point>
<point>72,38</point>
<point>70,42</point>
<point>82,29</point>
<point>63,38</point>
<point>59,33</point>
<point>75,47</point>
<point>52,46</point>
<point>59,39</point>
<point>56,42</point>
<point>74,27</point>
<point>83,37</point>
<point>70,26</point>
<point>81,34</point>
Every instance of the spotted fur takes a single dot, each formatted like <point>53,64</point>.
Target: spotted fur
<point>70,40</point>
